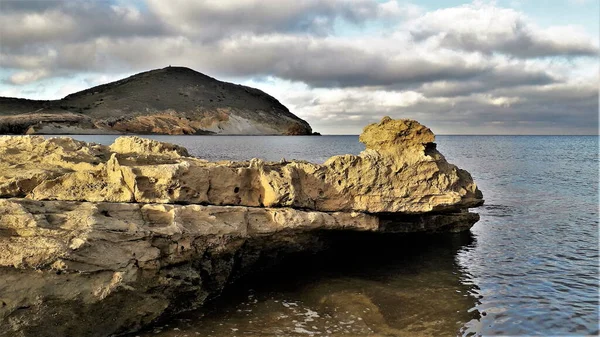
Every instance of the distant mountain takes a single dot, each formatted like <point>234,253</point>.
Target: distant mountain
<point>172,100</point>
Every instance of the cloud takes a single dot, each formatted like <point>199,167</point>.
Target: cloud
<point>31,28</point>
<point>338,63</point>
<point>25,77</point>
<point>504,74</point>
<point>49,24</point>
<point>559,108</point>
<point>483,27</point>
<point>30,6</point>
<point>292,40</point>
<point>216,19</point>
<point>318,62</point>
<point>549,106</point>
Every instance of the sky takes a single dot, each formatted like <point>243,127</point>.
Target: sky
<point>482,67</point>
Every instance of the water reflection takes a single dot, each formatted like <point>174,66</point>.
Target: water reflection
<point>365,285</point>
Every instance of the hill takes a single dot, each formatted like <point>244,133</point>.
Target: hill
<point>172,100</point>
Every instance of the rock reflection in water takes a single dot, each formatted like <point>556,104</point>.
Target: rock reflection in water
<point>364,285</point>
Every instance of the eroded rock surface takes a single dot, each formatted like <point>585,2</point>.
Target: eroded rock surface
<point>120,235</point>
<point>400,171</point>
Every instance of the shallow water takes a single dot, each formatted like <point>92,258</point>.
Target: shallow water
<point>354,289</point>
<point>528,267</point>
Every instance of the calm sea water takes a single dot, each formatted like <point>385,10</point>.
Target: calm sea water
<point>528,267</point>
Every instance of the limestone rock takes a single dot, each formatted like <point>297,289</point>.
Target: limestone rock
<point>401,171</point>
<point>121,235</point>
<point>125,264</point>
<point>144,146</point>
<point>396,135</point>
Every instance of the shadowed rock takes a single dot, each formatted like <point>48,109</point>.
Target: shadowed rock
<point>121,235</point>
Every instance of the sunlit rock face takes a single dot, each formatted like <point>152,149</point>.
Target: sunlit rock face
<point>400,172</point>
<point>120,235</point>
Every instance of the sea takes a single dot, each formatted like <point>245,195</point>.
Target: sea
<point>530,266</point>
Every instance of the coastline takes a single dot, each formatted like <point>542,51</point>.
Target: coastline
<point>140,224</point>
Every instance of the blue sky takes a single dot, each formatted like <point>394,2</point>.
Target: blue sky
<point>507,66</point>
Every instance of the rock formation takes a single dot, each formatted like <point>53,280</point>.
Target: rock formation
<point>118,236</point>
<point>172,100</point>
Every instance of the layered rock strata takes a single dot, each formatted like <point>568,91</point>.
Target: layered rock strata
<point>121,235</point>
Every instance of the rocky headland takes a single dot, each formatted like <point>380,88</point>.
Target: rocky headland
<point>172,100</point>
<point>100,240</point>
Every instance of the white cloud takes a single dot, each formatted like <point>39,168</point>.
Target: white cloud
<point>487,28</point>
<point>51,25</point>
<point>216,19</point>
<point>25,77</point>
<point>129,13</point>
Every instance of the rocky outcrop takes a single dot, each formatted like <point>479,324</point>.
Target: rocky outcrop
<point>121,235</point>
<point>172,100</point>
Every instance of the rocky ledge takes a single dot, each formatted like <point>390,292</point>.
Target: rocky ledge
<point>101,240</point>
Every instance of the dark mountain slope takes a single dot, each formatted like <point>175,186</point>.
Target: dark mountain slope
<point>172,100</point>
